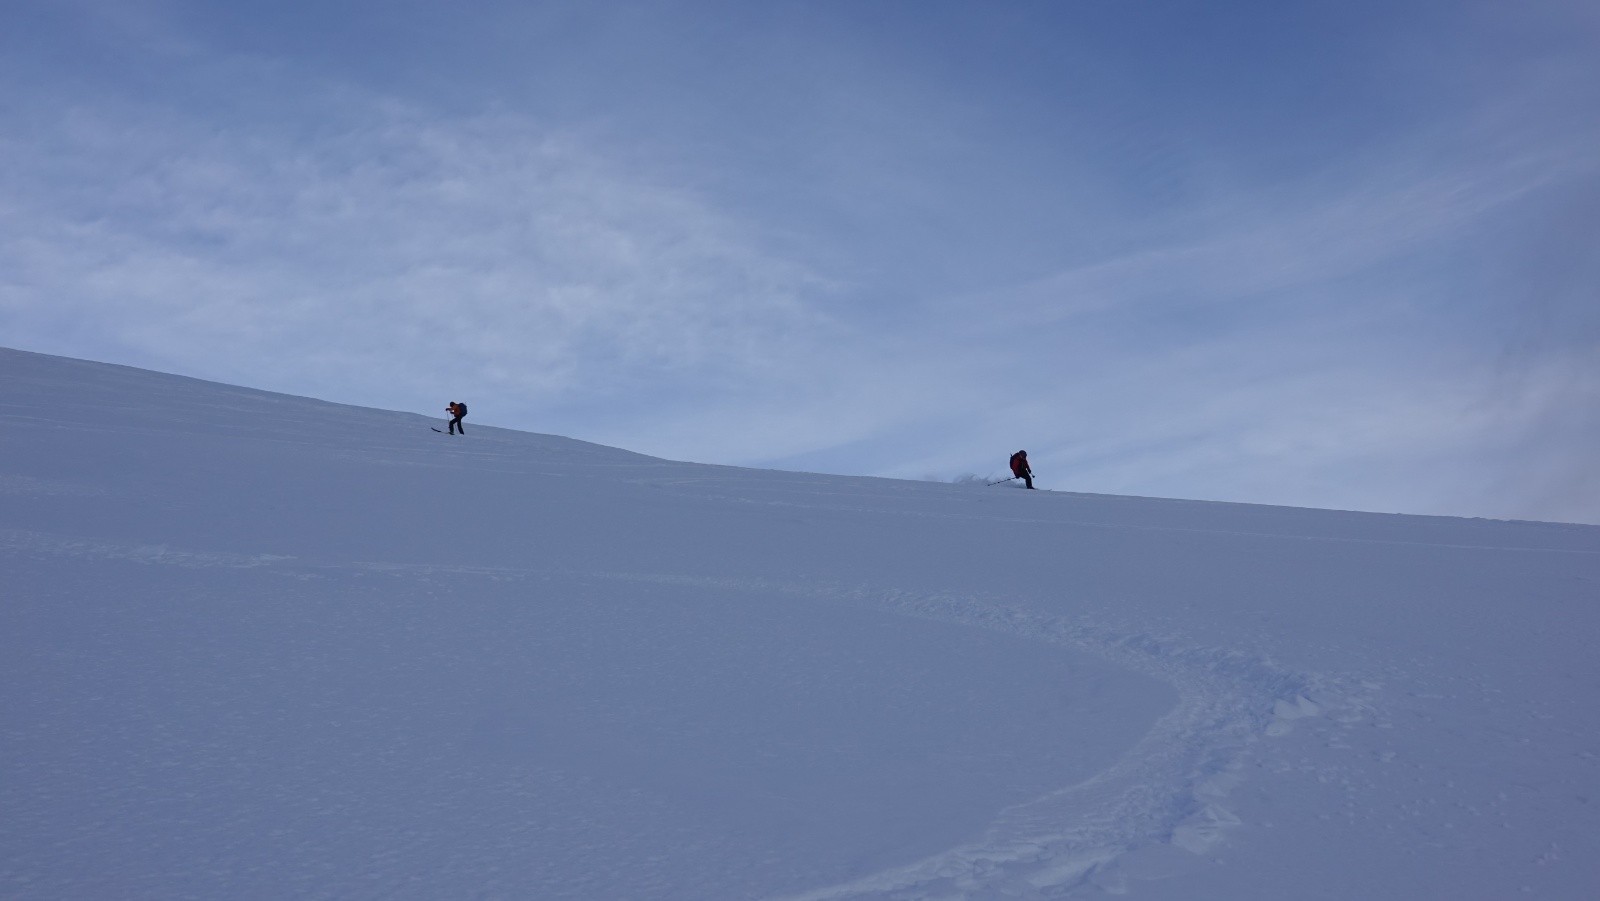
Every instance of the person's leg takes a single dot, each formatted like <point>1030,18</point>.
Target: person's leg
<point>1027,479</point>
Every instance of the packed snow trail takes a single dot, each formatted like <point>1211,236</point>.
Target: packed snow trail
<point>260,646</point>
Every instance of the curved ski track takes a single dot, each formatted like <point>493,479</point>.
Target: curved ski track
<point>1169,789</point>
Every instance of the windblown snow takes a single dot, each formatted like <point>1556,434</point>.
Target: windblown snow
<point>259,646</point>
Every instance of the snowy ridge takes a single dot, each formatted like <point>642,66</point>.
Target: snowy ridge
<point>259,647</point>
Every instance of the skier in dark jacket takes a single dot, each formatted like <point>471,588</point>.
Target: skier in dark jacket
<point>1020,468</point>
<point>456,409</point>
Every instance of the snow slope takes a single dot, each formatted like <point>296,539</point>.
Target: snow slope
<point>259,646</point>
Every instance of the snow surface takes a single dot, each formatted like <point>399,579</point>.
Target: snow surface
<point>259,646</point>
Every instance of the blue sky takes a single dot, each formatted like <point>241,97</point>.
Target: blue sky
<point>1334,255</point>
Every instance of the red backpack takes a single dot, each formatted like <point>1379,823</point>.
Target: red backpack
<point>1019,463</point>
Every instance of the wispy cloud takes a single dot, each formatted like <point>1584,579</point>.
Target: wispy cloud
<point>525,260</point>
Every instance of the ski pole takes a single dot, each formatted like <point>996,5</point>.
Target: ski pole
<point>1012,479</point>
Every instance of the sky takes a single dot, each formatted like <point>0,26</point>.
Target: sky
<point>1326,255</point>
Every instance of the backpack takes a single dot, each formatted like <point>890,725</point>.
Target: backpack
<point>461,409</point>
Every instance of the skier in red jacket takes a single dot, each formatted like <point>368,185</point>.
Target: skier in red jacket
<point>1020,468</point>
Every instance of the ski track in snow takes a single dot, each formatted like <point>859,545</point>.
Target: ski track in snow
<point>1170,789</point>
<point>37,544</point>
